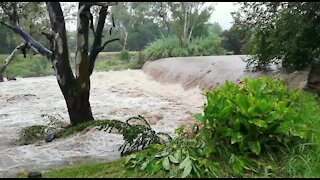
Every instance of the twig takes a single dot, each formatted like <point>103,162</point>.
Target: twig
<point>107,42</point>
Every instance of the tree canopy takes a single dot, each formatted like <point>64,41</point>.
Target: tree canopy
<point>285,33</point>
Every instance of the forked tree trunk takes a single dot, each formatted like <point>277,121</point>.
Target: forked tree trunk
<point>75,90</point>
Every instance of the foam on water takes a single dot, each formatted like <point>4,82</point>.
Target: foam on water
<point>114,95</point>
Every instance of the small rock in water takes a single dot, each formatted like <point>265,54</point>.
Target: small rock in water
<point>49,137</point>
<point>11,78</point>
<point>34,174</point>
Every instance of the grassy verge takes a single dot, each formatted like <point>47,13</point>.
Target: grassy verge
<point>31,66</point>
<point>115,169</point>
<point>37,66</point>
<point>116,62</point>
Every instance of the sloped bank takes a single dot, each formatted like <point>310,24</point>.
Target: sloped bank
<point>208,71</point>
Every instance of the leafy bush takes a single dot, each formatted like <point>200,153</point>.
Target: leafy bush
<point>170,47</point>
<point>252,129</point>
<point>255,116</point>
<point>124,55</point>
<point>181,158</point>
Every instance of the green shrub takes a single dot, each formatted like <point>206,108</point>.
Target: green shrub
<point>124,55</point>
<point>181,158</point>
<point>257,128</point>
<point>257,115</point>
<point>170,47</point>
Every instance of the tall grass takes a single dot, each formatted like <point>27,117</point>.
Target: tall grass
<point>170,47</point>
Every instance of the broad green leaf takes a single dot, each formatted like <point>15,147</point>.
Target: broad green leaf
<point>258,122</point>
<point>177,155</point>
<point>151,167</point>
<point>199,117</point>
<point>251,110</point>
<point>184,162</point>
<point>273,116</point>
<point>157,167</point>
<point>128,158</point>
<point>144,165</point>
<point>172,159</point>
<point>166,163</point>
<point>236,137</point>
<point>229,132</point>
<point>187,169</point>
<point>255,147</point>
<point>195,169</point>
<point>225,112</point>
<point>242,102</point>
<point>264,106</point>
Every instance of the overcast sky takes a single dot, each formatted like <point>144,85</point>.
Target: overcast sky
<point>221,15</point>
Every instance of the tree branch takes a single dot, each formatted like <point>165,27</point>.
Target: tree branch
<point>163,18</point>
<point>102,4</point>
<point>9,59</point>
<point>95,48</point>
<point>32,42</point>
<point>107,42</point>
<point>7,25</point>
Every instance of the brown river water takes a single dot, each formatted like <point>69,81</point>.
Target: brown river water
<point>166,92</point>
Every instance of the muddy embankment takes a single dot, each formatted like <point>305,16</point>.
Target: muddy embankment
<point>207,71</point>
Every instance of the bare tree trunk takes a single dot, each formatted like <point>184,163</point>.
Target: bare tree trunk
<point>313,82</point>
<point>190,34</point>
<point>8,61</point>
<point>125,40</point>
<point>185,27</point>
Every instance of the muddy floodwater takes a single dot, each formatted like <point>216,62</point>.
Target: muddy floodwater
<point>114,95</point>
<point>166,92</point>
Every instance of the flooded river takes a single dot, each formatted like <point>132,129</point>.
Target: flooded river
<point>166,93</point>
<point>114,95</point>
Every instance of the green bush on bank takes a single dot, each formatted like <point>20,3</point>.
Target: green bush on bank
<point>170,47</point>
<point>258,128</point>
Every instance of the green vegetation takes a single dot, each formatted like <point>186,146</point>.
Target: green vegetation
<point>115,169</point>
<point>36,65</point>
<point>259,128</point>
<point>170,47</point>
<point>136,132</point>
<point>32,65</point>
<point>121,61</point>
<point>31,134</point>
<point>282,32</point>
